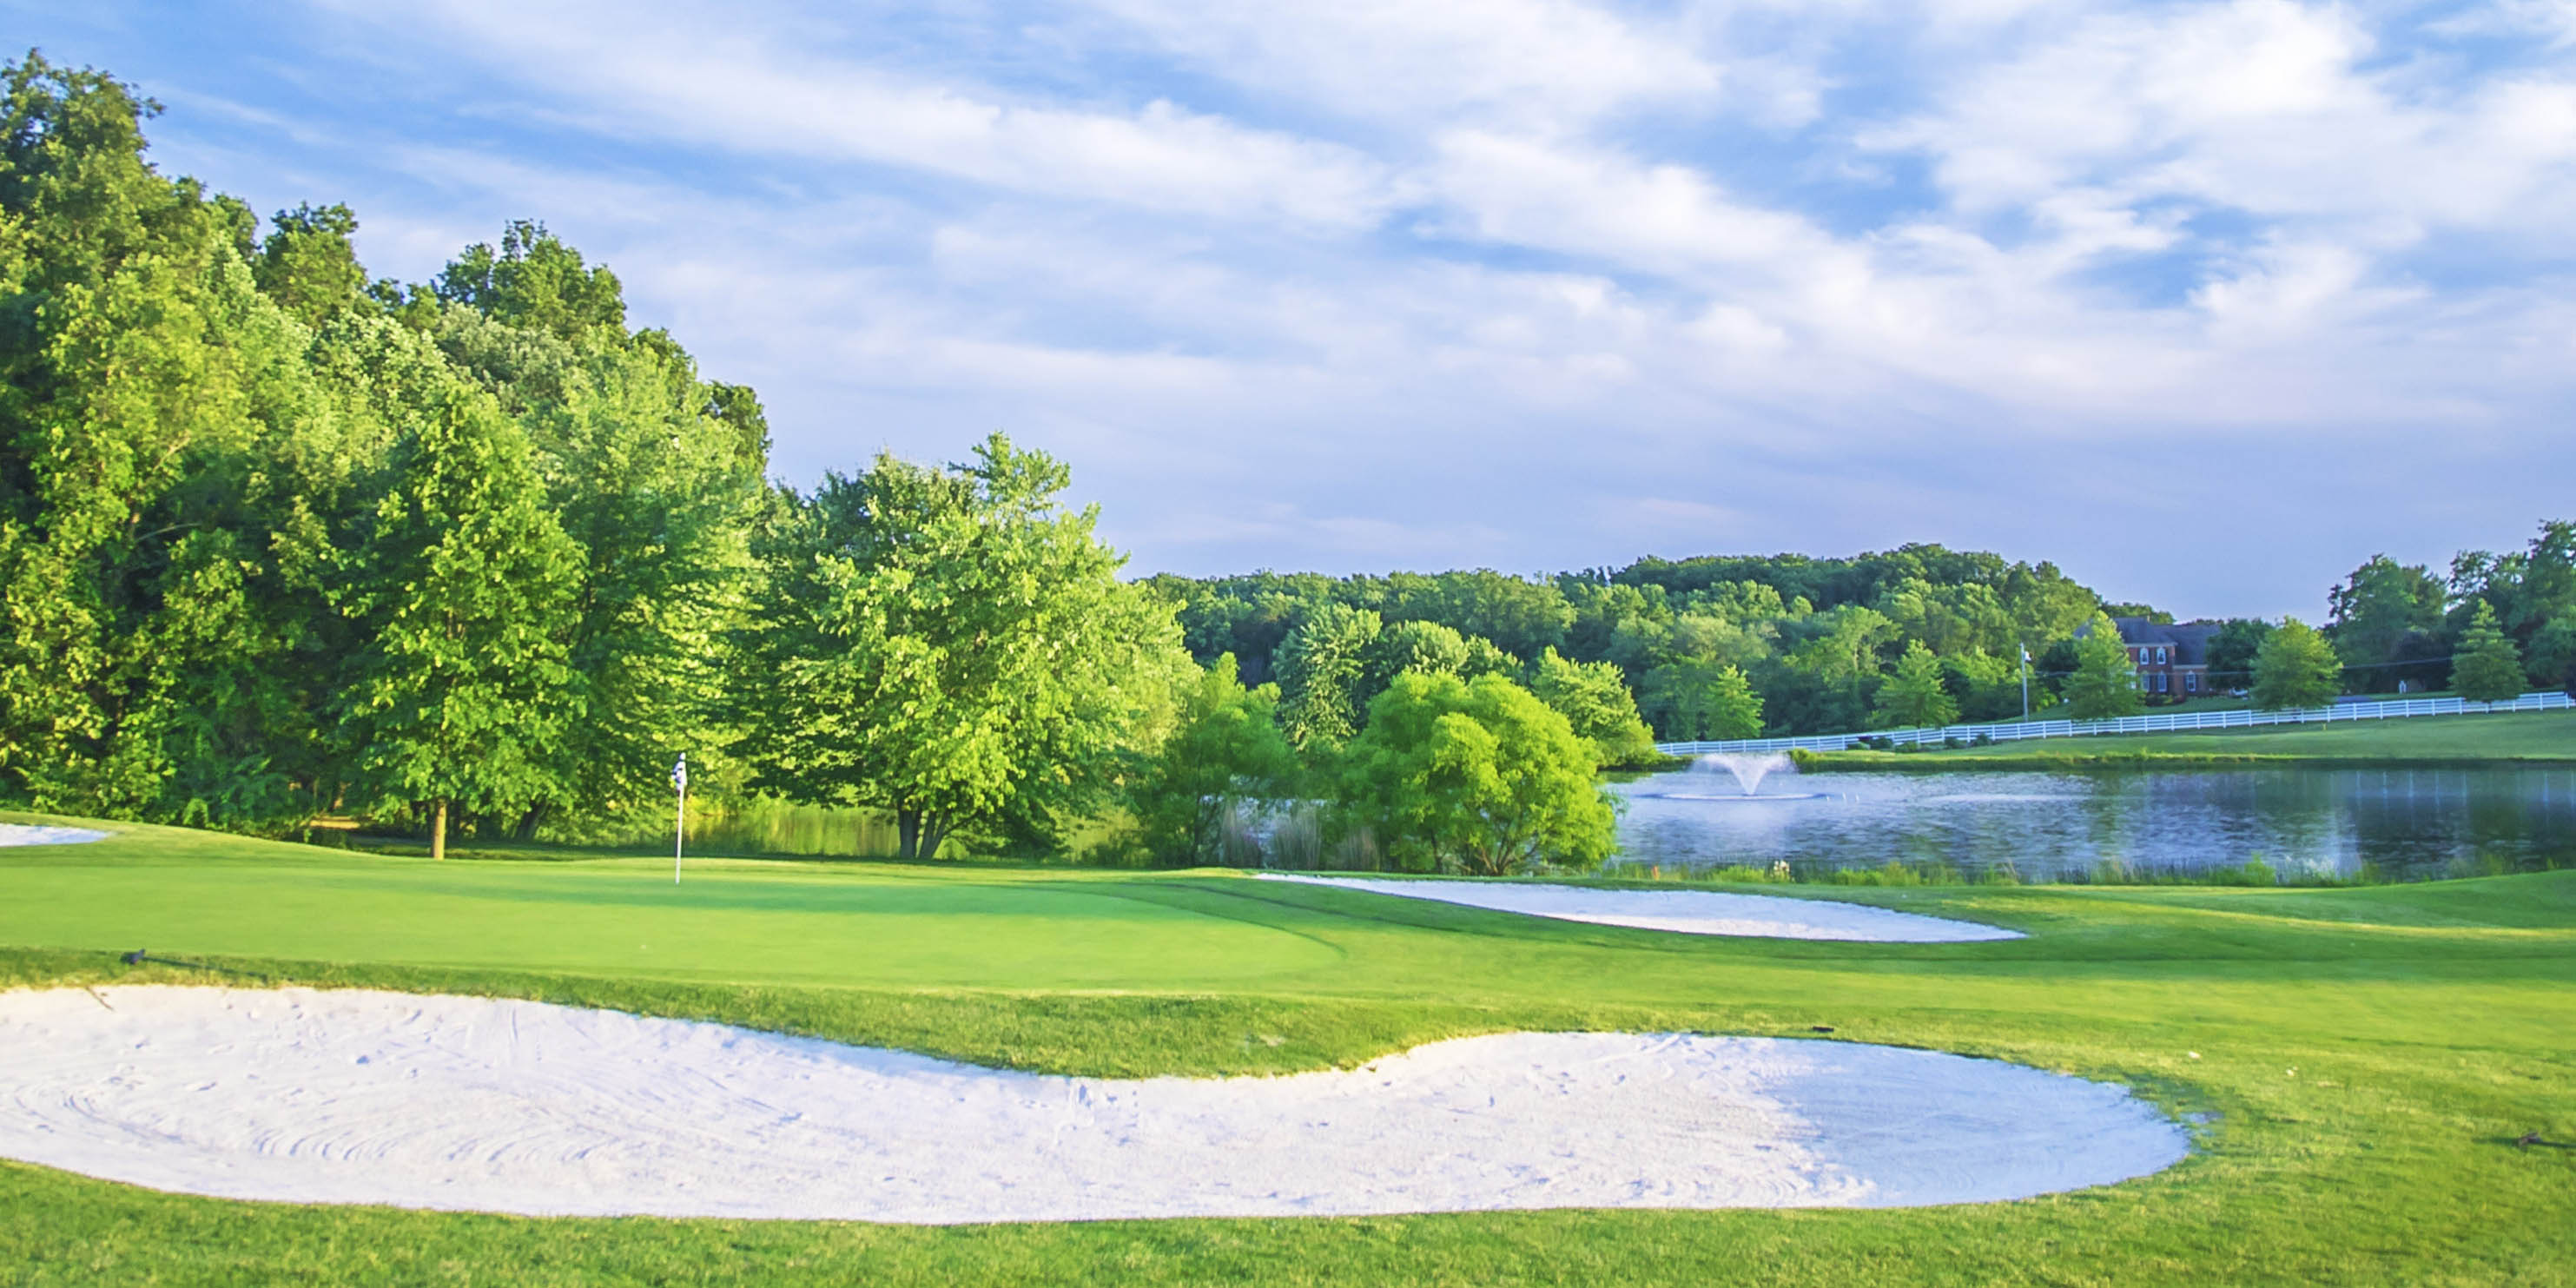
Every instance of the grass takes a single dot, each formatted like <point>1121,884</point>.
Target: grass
<point>2366,1054</point>
<point>2542,737</point>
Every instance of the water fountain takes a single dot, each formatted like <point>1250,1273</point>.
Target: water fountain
<point>1748,769</point>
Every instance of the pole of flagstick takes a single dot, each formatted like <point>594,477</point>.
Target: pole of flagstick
<point>679,830</point>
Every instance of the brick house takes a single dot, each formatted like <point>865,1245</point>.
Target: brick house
<point>2172,661</point>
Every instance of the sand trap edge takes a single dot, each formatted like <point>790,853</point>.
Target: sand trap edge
<point>14,834</point>
<point>1685,912</point>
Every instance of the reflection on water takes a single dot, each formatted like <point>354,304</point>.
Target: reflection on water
<point>2401,824</point>
<point>774,827</point>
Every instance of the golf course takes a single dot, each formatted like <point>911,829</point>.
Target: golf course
<point>2354,1065</point>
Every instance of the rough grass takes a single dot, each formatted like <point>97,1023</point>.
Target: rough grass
<point>2367,1054</point>
<point>2542,737</point>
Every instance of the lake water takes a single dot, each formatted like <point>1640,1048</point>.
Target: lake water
<point>774,827</point>
<point>2403,824</point>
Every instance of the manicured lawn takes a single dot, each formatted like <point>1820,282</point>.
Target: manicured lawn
<point>2366,1054</point>
<point>2540,736</point>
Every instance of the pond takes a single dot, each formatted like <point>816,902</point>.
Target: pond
<point>2388,824</point>
<point>777,828</point>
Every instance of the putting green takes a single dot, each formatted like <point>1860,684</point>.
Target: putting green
<point>2357,1062</point>
<point>730,922</point>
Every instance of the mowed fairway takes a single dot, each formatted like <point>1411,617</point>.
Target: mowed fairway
<point>2364,1057</point>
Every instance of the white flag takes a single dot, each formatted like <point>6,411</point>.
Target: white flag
<point>680,773</point>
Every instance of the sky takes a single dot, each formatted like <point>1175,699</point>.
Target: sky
<point>2206,303</point>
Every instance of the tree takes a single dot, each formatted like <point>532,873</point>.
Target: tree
<point>307,266</point>
<point>1698,700</point>
<point>534,281</point>
<point>2105,682</point>
<point>2296,668</point>
<point>1322,668</point>
<point>1521,617</point>
<point>1481,775</point>
<point>154,413</point>
<point>465,586</point>
<point>2551,659</point>
<point>2377,612</point>
<point>2232,651</point>
<point>1226,748</point>
<point>2486,667</point>
<point>646,472</point>
<point>1428,647</point>
<point>1593,697</point>
<point>952,647</point>
<point>1987,687</point>
<point>1913,697</point>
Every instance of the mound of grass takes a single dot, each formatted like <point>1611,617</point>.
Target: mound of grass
<point>2358,1060</point>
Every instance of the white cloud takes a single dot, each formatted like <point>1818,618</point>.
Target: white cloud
<point>1543,64</point>
<point>690,75</point>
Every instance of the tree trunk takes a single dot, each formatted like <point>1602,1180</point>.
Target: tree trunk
<point>438,830</point>
<point>907,825</point>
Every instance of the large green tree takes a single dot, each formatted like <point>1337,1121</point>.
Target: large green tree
<point>308,266</point>
<point>535,282</point>
<point>150,432</point>
<point>1594,698</point>
<point>954,647</point>
<point>1706,700</point>
<point>1323,670</point>
<point>1481,776</point>
<point>1225,752</point>
<point>2486,667</point>
<point>2385,613</point>
<point>1913,696</point>
<point>2297,667</point>
<point>660,486</point>
<point>2233,649</point>
<point>2105,682</point>
<point>461,696</point>
<point>2550,661</point>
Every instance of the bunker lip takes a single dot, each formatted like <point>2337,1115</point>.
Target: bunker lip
<point>483,1104</point>
<point>1684,912</point>
<point>40,834</point>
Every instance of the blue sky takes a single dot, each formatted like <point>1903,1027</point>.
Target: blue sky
<point>2206,302</point>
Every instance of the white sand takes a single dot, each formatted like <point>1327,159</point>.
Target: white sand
<point>37,834</point>
<point>477,1103</point>
<point>1688,912</point>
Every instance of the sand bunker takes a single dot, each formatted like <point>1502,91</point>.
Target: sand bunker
<point>484,1104</point>
<point>37,834</point>
<point>1688,912</point>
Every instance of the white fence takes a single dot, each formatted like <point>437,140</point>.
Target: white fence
<point>2019,730</point>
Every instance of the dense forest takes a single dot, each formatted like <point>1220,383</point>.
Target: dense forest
<point>280,541</point>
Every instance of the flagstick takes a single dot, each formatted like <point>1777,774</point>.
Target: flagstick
<point>679,829</point>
